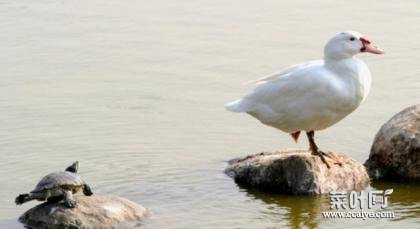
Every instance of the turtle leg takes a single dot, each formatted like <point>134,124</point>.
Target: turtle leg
<point>55,195</point>
<point>87,190</point>
<point>55,199</point>
<point>23,198</point>
<point>68,199</point>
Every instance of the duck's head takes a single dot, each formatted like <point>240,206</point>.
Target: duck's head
<point>347,44</point>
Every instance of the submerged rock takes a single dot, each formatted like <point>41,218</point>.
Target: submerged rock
<point>91,212</point>
<point>395,152</point>
<point>297,172</point>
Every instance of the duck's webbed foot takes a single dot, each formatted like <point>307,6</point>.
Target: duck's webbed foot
<point>327,159</point>
<point>322,155</point>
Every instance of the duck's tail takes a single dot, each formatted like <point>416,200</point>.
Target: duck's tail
<point>239,105</point>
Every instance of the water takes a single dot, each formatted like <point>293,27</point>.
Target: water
<point>134,90</point>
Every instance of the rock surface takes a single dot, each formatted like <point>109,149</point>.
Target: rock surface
<point>395,152</point>
<point>93,212</point>
<point>297,172</point>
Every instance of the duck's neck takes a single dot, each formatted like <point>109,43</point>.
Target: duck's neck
<point>353,72</point>
<point>348,66</point>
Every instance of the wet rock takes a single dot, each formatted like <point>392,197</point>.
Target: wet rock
<point>93,212</point>
<point>395,153</point>
<point>297,172</point>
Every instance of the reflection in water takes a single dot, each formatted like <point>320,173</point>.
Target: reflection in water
<point>297,211</point>
<point>404,201</point>
<point>305,211</point>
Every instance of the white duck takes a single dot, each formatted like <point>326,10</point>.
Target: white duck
<point>314,95</point>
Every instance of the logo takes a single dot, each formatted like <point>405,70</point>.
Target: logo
<point>340,200</point>
<point>365,199</point>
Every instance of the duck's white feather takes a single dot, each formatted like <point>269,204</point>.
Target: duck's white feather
<point>284,72</point>
<point>310,96</point>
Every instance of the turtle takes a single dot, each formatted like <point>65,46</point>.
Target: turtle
<point>58,186</point>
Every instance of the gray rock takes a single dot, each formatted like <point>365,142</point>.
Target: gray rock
<point>395,152</point>
<point>297,172</point>
<point>93,212</point>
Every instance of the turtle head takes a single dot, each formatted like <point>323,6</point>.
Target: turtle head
<point>73,167</point>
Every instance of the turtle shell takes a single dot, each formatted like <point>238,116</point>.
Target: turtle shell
<point>58,179</point>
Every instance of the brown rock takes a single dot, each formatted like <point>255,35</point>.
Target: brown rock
<point>395,152</point>
<point>297,172</point>
<point>93,212</point>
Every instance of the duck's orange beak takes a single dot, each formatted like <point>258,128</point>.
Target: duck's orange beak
<point>368,47</point>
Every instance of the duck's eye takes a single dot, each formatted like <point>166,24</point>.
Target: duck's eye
<point>352,38</point>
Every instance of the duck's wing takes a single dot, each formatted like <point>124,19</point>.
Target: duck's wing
<point>292,81</point>
<point>286,71</point>
<point>283,90</point>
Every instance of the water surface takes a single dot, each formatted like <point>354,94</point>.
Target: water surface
<point>134,90</point>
